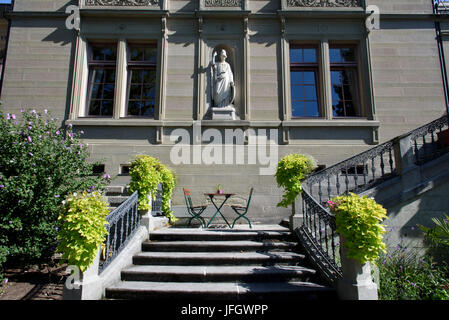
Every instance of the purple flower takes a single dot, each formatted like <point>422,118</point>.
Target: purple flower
<point>13,116</point>
<point>57,196</point>
<point>8,116</point>
<point>71,134</point>
<point>2,186</point>
<point>46,111</point>
<point>70,125</point>
<point>82,131</point>
<point>31,154</point>
<point>57,132</point>
<point>5,281</point>
<point>29,128</point>
<point>106,176</point>
<point>29,139</point>
<point>22,110</point>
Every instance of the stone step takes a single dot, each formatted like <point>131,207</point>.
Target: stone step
<point>219,290</point>
<point>188,234</point>
<point>216,258</point>
<point>169,273</point>
<point>217,246</point>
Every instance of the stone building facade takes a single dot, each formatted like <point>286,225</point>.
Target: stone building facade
<point>329,78</point>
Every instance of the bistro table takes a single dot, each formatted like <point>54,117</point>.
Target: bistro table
<point>211,196</point>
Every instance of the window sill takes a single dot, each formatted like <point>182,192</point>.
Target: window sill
<point>331,123</point>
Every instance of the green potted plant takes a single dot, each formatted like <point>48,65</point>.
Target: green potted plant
<point>219,191</point>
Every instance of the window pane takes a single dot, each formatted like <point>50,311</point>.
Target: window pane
<point>108,53</point>
<point>148,109</point>
<point>298,93</point>
<point>312,109</point>
<point>296,77</point>
<point>135,92</point>
<point>338,109</point>
<point>134,108</point>
<point>136,54</point>
<point>309,77</point>
<point>95,107</point>
<point>148,92</point>
<point>310,55</point>
<point>136,76</point>
<point>151,54</point>
<point>98,75</point>
<point>310,93</point>
<point>108,91</point>
<point>341,55</point>
<point>106,108</point>
<point>96,91</point>
<point>298,109</point>
<point>109,76</point>
<point>349,109</point>
<point>296,55</point>
<point>336,78</point>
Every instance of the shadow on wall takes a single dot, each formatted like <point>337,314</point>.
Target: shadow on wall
<point>403,219</point>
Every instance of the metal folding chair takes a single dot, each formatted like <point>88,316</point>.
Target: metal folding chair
<point>243,210</point>
<point>194,211</point>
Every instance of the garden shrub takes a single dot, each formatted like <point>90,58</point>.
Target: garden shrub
<point>359,220</point>
<point>82,228</point>
<point>146,173</point>
<point>40,164</point>
<point>291,170</point>
<point>404,275</point>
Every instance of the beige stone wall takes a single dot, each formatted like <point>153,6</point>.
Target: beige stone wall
<point>38,72</point>
<point>407,77</point>
<point>403,6</point>
<point>404,62</point>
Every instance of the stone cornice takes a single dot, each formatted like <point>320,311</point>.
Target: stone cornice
<point>132,3</point>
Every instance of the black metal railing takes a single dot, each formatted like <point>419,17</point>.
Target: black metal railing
<point>319,237</point>
<point>123,222</point>
<point>156,204</point>
<point>430,141</point>
<point>356,174</point>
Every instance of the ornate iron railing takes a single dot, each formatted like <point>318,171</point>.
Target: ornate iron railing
<point>430,141</point>
<point>156,204</point>
<point>123,222</point>
<point>358,174</point>
<point>319,238</point>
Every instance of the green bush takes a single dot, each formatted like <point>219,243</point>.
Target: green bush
<point>146,173</point>
<point>40,164</point>
<point>82,228</point>
<point>359,220</point>
<point>404,275</point>
<point>438,235</point>
<point>291,170</point>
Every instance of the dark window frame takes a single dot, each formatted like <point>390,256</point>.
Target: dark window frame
<point>307,66</point>
<point>99,64</point>
<point>352,66</point>
<point>140,65</point>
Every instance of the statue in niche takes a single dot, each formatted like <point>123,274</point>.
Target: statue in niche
<point>223,93</point>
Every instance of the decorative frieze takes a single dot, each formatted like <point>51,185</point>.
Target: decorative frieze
<point>223,3</point>
<point>324,3</point>
<point>122,2</point>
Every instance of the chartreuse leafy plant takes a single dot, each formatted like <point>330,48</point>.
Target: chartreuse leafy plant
<point>40,163</point>
<point>146,173</point>
<point>359,220</point>
<point>82,228</point>
<point>291,170</point>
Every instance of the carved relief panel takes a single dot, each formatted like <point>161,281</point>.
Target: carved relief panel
<point>122,3</point>
<point>297,4</point>
<point>223,4</point>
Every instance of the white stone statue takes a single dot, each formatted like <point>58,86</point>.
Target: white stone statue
<point>223,93</point>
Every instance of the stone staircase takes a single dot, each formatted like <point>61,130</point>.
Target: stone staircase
<point>220,264</point>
